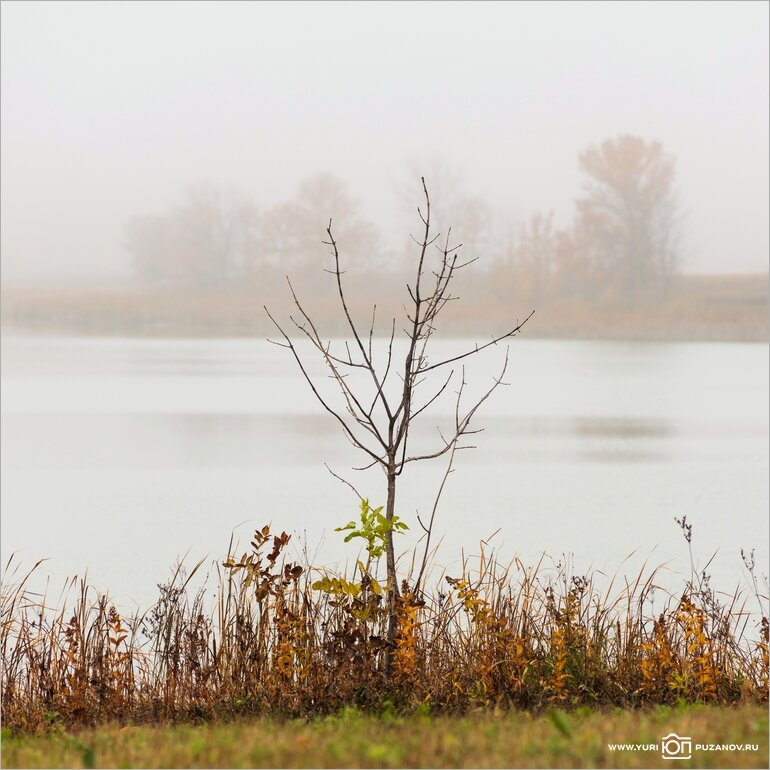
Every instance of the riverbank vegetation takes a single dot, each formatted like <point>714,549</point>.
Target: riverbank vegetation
<point>724,308</point>
<point>268,637</point>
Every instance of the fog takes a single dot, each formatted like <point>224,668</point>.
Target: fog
<point>112,110</point>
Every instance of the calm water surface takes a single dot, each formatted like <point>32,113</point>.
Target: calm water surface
<point>119,456</point>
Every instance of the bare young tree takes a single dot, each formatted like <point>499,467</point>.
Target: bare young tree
<point>377,417</point>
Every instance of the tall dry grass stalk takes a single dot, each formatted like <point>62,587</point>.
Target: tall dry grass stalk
<point>278,640</point>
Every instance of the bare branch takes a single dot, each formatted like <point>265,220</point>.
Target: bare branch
<point>403,406</point>
<point>429,528</point>
<point>345,427</point>
<point>462,423</point>
<point>371,332</point>
<point>478,348</point>
<point>315,337</point>
<point>351,324</point>
<point>366,467</point>
<point>351,401</point>
<point>387,368</point>
<point>344,481</point>
<point>440,391</point>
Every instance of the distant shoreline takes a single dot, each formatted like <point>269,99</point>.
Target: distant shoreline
<point>698,308</point>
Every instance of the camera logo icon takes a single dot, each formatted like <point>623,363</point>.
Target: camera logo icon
<point>676,747</point>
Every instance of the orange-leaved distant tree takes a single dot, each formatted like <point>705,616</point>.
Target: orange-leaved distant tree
<point>628,218</point>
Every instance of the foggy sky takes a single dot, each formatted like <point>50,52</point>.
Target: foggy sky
<point>112,109</point>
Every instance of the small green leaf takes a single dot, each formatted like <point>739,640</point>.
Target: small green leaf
<point>560,722</point>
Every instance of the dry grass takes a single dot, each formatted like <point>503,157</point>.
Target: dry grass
<point>278,640</point>
<point>697,308</point>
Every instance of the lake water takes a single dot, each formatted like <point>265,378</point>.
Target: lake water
<point>119,456</point>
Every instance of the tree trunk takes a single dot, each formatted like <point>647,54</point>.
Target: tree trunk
<point>390,556</point>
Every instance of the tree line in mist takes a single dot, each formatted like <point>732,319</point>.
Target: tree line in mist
<point>622,241</point>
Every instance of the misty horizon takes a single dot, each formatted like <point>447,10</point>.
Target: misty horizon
<point>112,111</point>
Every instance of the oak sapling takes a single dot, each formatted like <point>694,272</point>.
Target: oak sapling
<point>376,416</point>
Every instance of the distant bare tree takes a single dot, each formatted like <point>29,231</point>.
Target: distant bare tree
<point>472,218</point>
<point>149,241</point>
<point>628,218</point>
<point>376,414</point>
<point>536,252</point>
<point>213,231</point>
<point>204,241</point>
<point>289,236</point>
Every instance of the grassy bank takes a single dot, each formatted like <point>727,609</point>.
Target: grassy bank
<point>273,638</point>
<point>727,308</point>
<point>349,739</point>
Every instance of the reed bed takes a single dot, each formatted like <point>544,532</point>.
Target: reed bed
<point>270,637</point>
<point>698,308</point>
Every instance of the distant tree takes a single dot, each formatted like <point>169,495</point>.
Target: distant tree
<point>472,218</point>
<point>627,220</point>
<point>204,241</point>
<point>474,226</point>
<point>447,189</point>
<point>571,266</point>
<point>289,237</point>
<point>149,240</point>
<point>536,251</point>
<point>212,231</point>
